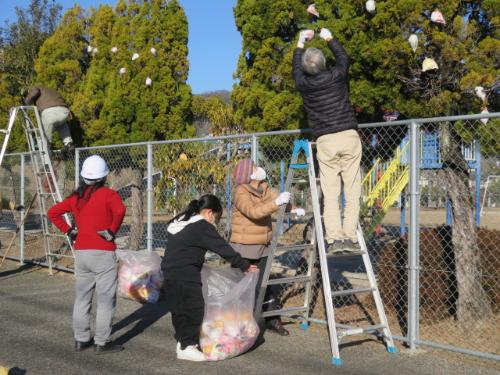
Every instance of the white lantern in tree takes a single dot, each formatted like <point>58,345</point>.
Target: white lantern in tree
<point>438,17</point>
<point>485,120</point>
<point>429,64</point>
<point>370,6</point>
<point>122,71</point>
<point>90,48</point>
<point>148,81</point>
<point>480,93</point>
<point>94,50</point>
<point>413,40</point>
<point>311,9</point>
<point>135,56</point>
<point>153,51</point>
<point>114,49</point>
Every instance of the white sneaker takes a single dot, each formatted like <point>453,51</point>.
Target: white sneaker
<point>190,353</point>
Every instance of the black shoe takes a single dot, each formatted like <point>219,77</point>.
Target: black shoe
<point>351,247</point>
<point>109,347</point>
<point>68,151</point>
<point>276,326</point>
<point>82,345</point>
<point>337,246</point>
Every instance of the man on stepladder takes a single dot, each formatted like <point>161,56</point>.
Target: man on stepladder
<point>54,114</point>
<point>325,95</point>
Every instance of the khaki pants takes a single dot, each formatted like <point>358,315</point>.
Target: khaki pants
<point>339,156</point>
<point>55,118</point>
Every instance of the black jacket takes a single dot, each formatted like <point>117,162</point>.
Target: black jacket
<point>326,94</point>
<point>186,248</point>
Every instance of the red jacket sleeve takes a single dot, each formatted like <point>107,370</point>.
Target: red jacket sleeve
<point>56,213</point>
<point>118,210</point>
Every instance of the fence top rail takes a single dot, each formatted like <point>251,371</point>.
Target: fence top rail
<point>249,136</point>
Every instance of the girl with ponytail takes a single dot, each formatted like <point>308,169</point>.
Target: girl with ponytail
<point>189,235</point>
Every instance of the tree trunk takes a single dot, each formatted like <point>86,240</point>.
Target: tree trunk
<point>472,301</point>
<point>137,222</point>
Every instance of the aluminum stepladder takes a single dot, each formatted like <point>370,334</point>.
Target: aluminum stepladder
<point>336,331</point>
<point>43,171</point>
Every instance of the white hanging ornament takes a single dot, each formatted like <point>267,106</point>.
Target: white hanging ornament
<point>370,6</point>
<point>311,9</point>
<point>135,56</point>
<point>429,64</point>
<point>114,49</point>
<point>413,40</point>
<point>122,71</point>
<point>480,93</point>
<point>485,120</point>
<point>148,81</point>
<point>153,51</point>
<point>94,51</point>
<point>438,17</point>
<point>90,48</point>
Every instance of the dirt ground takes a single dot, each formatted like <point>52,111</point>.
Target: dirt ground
<point>433,217</point>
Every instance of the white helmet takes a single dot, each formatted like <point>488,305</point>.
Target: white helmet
<point>94,168</point>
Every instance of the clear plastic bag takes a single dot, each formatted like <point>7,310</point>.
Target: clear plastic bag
<point>229,327</point>
<point>139,276</point>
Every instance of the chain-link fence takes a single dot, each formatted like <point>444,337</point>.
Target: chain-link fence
<point>430,213</point>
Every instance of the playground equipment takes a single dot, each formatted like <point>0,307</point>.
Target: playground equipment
<point>385,182</point>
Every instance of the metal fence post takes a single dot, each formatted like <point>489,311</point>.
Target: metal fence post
<point>150,198</point>
<point>21,203</point>
<point>77,167</point>
<point>413,245</point>
<point>255,149</point>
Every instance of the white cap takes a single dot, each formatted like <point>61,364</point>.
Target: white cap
<point>94,168</point>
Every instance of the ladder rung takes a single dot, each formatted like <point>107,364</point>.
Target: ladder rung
<point>289,280</point>
<point>56,235</point>
<point>45,193</point>
<point>347,292</point>
<point>284,311</point>
<point>345,254</point>
<point>299,166</point>
<point>60,255</point>
<point>295,247</point>
<point>350,331</point>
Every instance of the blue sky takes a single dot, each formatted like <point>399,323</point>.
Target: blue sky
<point>214,42</point>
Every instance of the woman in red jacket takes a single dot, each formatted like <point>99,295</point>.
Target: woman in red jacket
<point>98,213</point>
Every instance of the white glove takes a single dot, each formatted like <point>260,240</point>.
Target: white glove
<point>298,212</point>
<point>304,36</point>
<point>283,198</point>
<point>325,34</point>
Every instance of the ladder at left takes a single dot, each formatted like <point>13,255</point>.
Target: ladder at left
<point>57,246</point>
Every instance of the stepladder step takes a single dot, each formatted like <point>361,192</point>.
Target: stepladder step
<point>345,330</point>
<point>348,292</point>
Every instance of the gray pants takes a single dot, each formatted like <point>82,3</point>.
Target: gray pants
<point>95,269</point>
<point>55,118</point>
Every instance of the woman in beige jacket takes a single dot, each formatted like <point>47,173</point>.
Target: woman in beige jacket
<point>251,226</point>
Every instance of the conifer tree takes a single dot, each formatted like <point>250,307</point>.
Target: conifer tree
<point>133,110</point>
<point>92,93</point>
<point>63,60</point>
<point>386,73</point>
